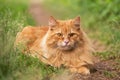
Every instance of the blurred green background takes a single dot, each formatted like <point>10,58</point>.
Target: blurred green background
<point>99,18</point>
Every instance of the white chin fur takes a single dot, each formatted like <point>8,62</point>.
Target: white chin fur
<point>63,44</point>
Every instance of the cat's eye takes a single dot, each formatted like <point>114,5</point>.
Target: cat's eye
<point>77,25</point>
<point>71,34</point>
<point>59,34</point>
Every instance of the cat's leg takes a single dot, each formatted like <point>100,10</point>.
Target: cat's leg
<point>56,63</point>
<point>83,70</point>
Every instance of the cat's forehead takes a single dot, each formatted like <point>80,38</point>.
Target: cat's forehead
<point>65,26</point>
<point>66,23</point>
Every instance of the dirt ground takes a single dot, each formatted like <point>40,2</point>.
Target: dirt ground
<point>105,69</point>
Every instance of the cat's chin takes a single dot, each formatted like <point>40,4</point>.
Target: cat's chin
<point>66,48</point>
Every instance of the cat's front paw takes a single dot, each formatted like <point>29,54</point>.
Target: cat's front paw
<point>84,71</point>
<point>81,70</point>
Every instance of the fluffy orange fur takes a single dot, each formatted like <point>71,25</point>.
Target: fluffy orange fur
<point>59,43</point>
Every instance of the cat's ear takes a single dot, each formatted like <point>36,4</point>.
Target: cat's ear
<point>77,22</point>
<point>52,21</point>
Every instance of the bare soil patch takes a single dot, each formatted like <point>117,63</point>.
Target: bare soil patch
<point>106,70</point>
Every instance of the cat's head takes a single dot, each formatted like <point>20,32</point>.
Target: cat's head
<point>64,35</point>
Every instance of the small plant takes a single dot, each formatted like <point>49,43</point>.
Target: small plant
<point>109,74</point>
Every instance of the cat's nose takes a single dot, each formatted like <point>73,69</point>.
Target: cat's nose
<point>66,41</point>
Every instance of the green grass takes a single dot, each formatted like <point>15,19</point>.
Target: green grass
<point>13,64</point>
<point>109,74</point>
<point>99,18</point>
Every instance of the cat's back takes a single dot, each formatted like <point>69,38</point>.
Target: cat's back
<point>34,32</point>
<point>30,34</point>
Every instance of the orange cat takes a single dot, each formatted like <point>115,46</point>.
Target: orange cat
<point>59,43</point>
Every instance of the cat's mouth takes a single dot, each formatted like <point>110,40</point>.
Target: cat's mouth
<point>66,47</point>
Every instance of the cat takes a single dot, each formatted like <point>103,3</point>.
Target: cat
<point>62,42</point>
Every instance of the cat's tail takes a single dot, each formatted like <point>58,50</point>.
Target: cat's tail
<point>19,44</point>
<point>23,39</point>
